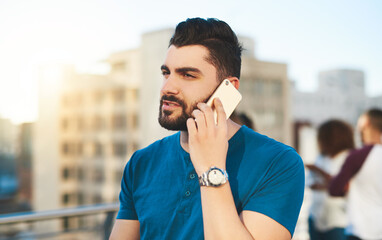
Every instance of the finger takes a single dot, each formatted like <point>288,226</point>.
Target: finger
<point>208,114</point>
<point>221,116</point>
<point>200,120</point>
<point>191,127</point>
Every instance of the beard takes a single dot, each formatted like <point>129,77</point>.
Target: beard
<point>177,123</point>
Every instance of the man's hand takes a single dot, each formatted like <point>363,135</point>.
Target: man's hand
<point>208,146</point>
<point>208,142</point>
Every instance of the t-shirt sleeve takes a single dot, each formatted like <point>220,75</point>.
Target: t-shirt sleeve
<point>352,164</point>
<point>281,191</point>
<point>126,207</point>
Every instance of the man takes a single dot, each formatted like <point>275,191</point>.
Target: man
<point>250,186</point>
<point>361,174</point>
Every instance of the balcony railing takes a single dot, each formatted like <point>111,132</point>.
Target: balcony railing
<point>85,222</point>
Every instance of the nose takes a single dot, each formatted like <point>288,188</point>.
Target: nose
<point>169,86</point>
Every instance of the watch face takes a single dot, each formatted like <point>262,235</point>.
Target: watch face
<point>215,176</point>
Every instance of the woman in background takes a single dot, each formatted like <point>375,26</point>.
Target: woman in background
<point>327,218</point>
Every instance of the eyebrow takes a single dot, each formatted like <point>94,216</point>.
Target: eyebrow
<point>164,67</point>
<point>182,70</point>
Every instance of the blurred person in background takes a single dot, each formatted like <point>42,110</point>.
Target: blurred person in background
<point>243,119</point>
<point>327,219</point>
<point>361,179</point>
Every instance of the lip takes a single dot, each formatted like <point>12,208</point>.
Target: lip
<point>169,105</point>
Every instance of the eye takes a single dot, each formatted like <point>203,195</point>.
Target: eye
<point>165,73</point>
<point>188,75</point>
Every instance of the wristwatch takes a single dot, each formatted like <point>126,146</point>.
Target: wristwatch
<point>214,177</point>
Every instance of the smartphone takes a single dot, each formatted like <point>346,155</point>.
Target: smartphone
<point>228,95</point>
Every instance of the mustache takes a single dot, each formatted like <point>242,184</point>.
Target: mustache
<point>172,98</point>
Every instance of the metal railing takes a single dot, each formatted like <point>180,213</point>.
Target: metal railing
<point>85,222</point>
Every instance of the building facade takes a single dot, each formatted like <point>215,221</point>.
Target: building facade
<point>86,131</point>
<point>266,97</point>
<point>24,165</point>
<point>340,94</point>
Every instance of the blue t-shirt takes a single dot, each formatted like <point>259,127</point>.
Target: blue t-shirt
<point>160,187</point>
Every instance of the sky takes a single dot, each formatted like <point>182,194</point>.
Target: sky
<point>309,36</point>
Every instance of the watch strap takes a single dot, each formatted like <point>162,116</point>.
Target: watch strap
<point>203,179</point>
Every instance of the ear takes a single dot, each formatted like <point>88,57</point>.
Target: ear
<point>363,121</point>
<point>235,81</point>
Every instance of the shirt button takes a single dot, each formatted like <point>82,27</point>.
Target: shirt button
<point>187,194</point>
<point>192,175</point>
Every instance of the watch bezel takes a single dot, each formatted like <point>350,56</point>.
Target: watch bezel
<point>223,173</point>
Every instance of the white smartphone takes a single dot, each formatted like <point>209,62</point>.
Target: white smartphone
<point>228,95</point>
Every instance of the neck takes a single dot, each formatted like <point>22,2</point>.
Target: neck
<point>378,138</point>
<point>375,138</point>
<point>232,128</point>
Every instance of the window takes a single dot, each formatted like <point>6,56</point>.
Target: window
<point>80,123</point>
<point>98,123</point>
<point>66,173</point>
<point>118,122</point>
<point>98,149</point>
<point>118,176</point>
<point>78,99</point>
<point>98,96</point>
<point>65,149</point>
<point>79,148</point>
<point>68,149</point>
<point>65,101</point>
<point>118,95</point>
<point>80,198</point>
<point>80,175</point>
<point>243,85</point>
<point>276,88</point>
<point>259,87</point>
<point>99,176</point>
<point>119,149</point>
<point>97,198</point>
<point>118,66</point>
<point>65,198</point>
<point>65,223</point>
<point>133,94</point>
<point>134,121</point>
<point>64,123</point>
<point>135,146</point>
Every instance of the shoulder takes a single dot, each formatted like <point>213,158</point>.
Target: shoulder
<point>377,150</point>
<point>259,140</point>
<point>268,147</point>
<point>274,178</point>
<point>267,153</point>
<point>359,155</point>
<point>356,159</point>
<point>365,150</point>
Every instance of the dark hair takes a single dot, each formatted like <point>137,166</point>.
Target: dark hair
<point>375,118</point>
<point>218,37</point>
<point>335,136</point>
<point>242,118</point>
